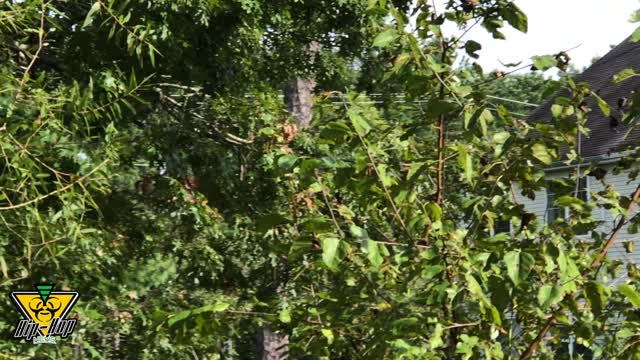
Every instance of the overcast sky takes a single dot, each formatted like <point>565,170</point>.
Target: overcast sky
<point>556,25</point>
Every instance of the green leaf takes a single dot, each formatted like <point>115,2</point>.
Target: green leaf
<point>152,56</point>
<point>631,294</point>
<point>385,38</point>
<point>317,225</point>
<point>471,47</point>
<point>218,307</point>
<point>570,202</point>
<point>499,238</point>
<point>329,252</point>
<point>466,162</point>
<point>519,265</point>
<point>373,253</point>
<point>475,288</point>
<point>435,339</point>
<point>628,246</point>
<point>178,317</point>
<point>484,120</point>
<point>584,330</point>
<point>500,297</point>
<point>569,272</point>
<point>514,16</point>
<point>358,232</point>
<point>267,222</point>
<point>286,162</point>
<point>434,211</point>
<point>465,346</point>
<point>544,62</point>
<point>495,315</point>
<point>543,153</point>
<point>285,315</point>
<point>399,63</point>
<point>93,314</point>
<point>623,75</point>
<point>88,19</point>
<point>328,334</point>
<point>4,267</point>
<point>606,110</point>
<point>597,295</point>
<point>361,126</point>
<point>636,35</point>
<point>549,295</point>
<point>384,177</point>
<point>431,271</point>
<point>501,137</point>
<point>436,108</point>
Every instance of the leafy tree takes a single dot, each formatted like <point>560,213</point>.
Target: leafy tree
<point>148,162</point>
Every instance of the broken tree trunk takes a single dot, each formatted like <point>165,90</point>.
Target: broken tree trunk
<point>299,93</point>
<point>298,96</point>
<point>272,346</point>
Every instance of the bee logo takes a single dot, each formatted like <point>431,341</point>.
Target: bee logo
<point>44,312</point>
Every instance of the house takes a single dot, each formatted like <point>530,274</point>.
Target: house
<point>606,144</point>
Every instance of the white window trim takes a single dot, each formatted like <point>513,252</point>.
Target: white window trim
<point>566,210</point>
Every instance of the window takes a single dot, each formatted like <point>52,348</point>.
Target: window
<point>502,226</point>
<point>569,349</point>
<point>553,211</point>
<point>583,191</point>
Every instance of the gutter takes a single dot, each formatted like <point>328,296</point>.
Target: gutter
<point>600,159</point>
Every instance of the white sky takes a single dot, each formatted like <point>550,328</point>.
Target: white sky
<point>557,25</point>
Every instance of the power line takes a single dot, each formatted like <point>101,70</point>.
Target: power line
<point>423,100</point>
<point>513,101</point>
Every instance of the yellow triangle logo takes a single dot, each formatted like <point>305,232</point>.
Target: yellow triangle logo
<point>43,311</point>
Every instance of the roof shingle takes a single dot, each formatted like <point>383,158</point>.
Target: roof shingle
<point>604,138</point>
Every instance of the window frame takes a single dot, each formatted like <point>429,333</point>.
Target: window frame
<point>565,212</point>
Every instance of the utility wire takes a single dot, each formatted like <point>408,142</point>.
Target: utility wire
<point>419,101</point>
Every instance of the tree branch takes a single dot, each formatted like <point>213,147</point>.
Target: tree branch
<point>40,46</point>
<point>612,238</point>
<point>64,188</point>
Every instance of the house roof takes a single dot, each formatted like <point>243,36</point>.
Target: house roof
<point>605,138</point>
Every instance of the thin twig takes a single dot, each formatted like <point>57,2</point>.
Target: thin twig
<point>518,69</point>
<point>454,326</point>
<point>456,40</point>
<point>122,25</point>
<point>64,188</point>
<point>40,47</point>
<point>326,200</point>
<point>116,100</point>
<point>440,167</point>
<point>384,187</point>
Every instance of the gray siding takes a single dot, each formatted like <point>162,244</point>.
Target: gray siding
<point>620,183</point>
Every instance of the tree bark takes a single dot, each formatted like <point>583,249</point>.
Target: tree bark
<point>299,99</point>
<point>298,95</point>
<point>271,345</point>
<point>299,92</point>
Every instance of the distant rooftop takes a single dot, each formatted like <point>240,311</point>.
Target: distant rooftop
<point>607,134</point>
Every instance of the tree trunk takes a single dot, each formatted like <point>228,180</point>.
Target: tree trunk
<point>299,93</point>
<point>271,345</point>
<point>299,98</point>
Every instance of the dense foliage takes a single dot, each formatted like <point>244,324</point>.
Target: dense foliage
<point>148,162</point>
